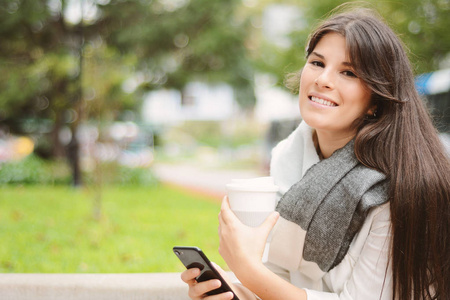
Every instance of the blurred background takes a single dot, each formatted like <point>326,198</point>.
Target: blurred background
<point>107,93</point>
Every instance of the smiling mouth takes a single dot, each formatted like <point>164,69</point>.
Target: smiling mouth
<point>322,101</point>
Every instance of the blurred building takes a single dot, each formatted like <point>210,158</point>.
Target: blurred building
<point>435,87</point>
<point>198,101</point>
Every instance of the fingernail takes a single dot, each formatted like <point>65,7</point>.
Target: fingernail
<point>195,270</point>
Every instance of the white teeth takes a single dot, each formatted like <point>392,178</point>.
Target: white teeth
<point>323,102</point>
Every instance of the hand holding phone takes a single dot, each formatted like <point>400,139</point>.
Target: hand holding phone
<point>193,257</point>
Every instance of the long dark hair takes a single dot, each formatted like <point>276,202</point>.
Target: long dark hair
<point>401,142</point>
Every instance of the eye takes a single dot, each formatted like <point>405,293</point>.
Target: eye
<point>317,63</point>
<point>349,74</point>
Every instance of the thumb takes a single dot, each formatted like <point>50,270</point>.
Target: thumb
<point>218,268</point>
<point>270,222</point>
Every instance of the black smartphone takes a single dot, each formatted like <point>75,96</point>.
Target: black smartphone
<point>193,257</point>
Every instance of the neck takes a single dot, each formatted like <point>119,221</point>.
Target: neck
<point>326,144</point>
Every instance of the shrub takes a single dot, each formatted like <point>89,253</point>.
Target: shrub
<point>34,170</point>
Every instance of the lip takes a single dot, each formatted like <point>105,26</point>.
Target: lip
<point>321,97</point>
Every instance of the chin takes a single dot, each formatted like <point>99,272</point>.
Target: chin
<point>311,122</point>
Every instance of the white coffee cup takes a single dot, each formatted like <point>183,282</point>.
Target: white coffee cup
<point>252,200</point>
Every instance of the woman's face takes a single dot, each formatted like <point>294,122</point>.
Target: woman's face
<point>332,97</point>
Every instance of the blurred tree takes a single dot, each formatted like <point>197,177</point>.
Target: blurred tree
<point>64,60</point>
<point>40,69</point>
<point>422,25</point>
<point>179,41</point>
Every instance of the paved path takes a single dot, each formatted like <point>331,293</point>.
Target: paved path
<point>209,181</point>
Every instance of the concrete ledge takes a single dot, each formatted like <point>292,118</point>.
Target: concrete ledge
<point>151,286</point>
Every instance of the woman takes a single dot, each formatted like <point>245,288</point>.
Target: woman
<point>365,181</point>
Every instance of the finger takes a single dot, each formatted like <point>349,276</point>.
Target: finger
<point>189,275</point>
<point>220,270</point>
<point>222,207</point>
<point>202,288</point>
<point>226,215</point>
<point>270,222</point>
<point>216,266</point>
<point>225,203</point>
<point>222,273</point>
<point>223,296</point>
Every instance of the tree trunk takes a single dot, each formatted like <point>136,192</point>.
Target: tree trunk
<point>73,154</point>
<point>77,105</point>
<point>58,148</point>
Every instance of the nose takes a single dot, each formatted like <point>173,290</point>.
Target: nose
<point>325,80</point>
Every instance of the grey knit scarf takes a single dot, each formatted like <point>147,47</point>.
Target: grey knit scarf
<point>331,202</point>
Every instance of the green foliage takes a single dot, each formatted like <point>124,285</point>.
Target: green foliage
<point>54,70</point>
<point>422,25</point>
<point>34,170</point>
<point>51,229</point>
<point>105,71</point>
<point>197,40</point>
<point>101,66</point>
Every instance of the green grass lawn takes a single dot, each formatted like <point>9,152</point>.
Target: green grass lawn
<point>48,229</point>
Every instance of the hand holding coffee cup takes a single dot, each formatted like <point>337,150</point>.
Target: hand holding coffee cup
<point>252,200</point>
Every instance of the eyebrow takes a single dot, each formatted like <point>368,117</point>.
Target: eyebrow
<point>345,63</point>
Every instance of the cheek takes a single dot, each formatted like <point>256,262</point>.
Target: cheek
<point>305,77</point>
<point>305,82</point>
<point>365,102</point>
<point>360,98</point>
<point>302,97</point>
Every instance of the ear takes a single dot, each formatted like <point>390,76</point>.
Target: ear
<point>372,111</point>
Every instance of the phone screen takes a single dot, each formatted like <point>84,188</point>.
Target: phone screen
<point>193,257</point>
